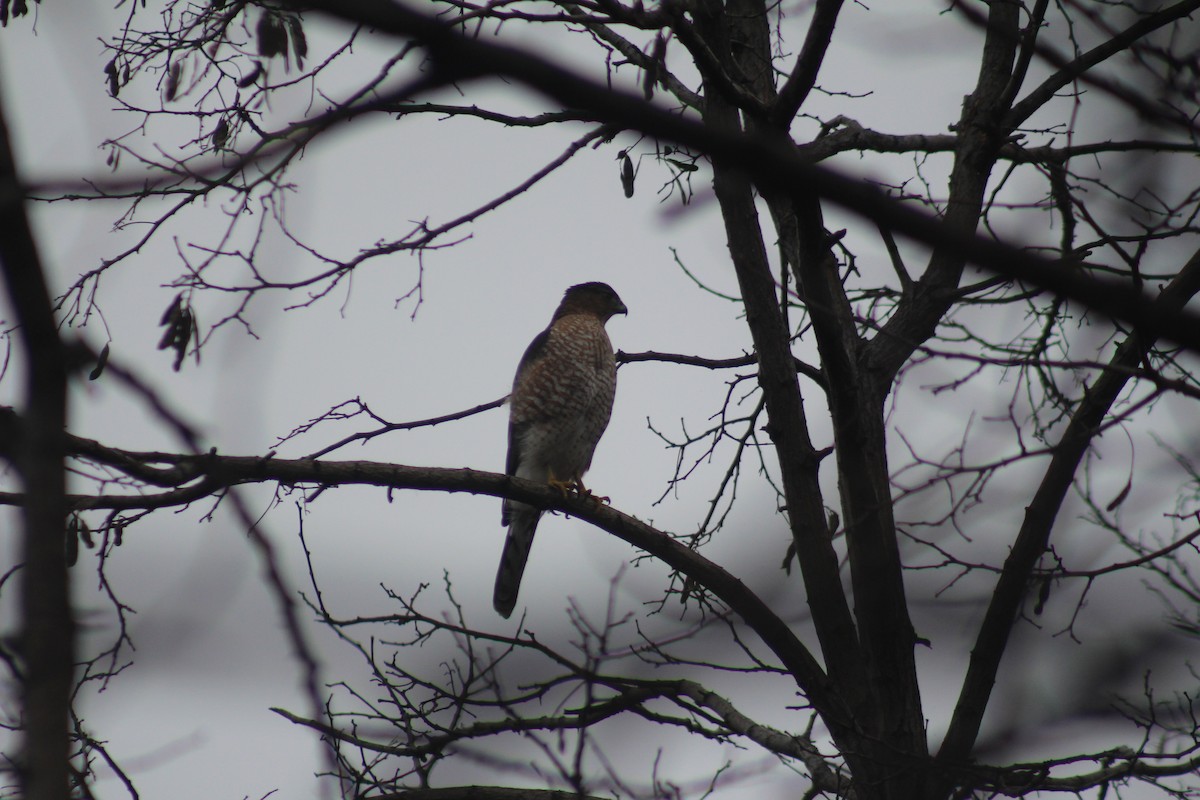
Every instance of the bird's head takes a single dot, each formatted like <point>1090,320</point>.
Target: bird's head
<point>591,298</point>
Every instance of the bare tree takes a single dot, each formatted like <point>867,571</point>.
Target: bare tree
<point>1038,258</point>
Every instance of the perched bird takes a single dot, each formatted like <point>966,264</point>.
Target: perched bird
<point>561,400</point>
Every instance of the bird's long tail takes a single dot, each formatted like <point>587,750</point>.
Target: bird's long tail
<point>522,524</point>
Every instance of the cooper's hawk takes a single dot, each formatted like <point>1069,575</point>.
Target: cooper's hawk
<point>560,404</point>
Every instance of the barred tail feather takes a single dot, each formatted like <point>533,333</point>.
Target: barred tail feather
<point>523,522</point>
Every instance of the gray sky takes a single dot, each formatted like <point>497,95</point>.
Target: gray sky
<point>190,719</point>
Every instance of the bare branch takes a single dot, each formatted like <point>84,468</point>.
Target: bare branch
<point>1040,516</point>
<point>47,625</point>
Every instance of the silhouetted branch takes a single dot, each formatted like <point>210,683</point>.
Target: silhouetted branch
<point>46,623</point>
<point>212,473</point>
<point>1040,515</point>
<point>772,161</point>
<point>807,370</point>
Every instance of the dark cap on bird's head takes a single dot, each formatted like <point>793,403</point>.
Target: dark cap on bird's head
<point>595,297</point>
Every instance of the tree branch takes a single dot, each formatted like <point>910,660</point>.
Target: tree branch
<point>484,793</point>
<point>47,627</point>
<point>977,143</point>
<point>213,472</point>
<point>814,374</point>
<point>773,161</point>
<point>1040,515</point>
<point>1069,71</point>
<point>812,55</point>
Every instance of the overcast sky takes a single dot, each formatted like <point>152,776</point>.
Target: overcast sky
<point>190,719</point>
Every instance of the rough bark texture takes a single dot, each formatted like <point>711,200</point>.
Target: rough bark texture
<point>870,657</point>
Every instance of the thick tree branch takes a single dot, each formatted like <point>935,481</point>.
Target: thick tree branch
<point>808,64</point>
<point>978,141</point>
<point>484,793</point>
<point>773,161</point>
<point>213,472</point>
<point>634,55</point>
<point>848,135</point>
<point>1040,515</point>
<point>814,374</point>
<point>1070,71</point>
<point>799,747</point>
<point>788,428</point>
<point>856,403</point>
<point>47,628</point>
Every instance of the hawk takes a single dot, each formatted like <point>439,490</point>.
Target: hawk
<point>561,400</point>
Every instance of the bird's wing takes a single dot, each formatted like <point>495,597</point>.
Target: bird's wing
<point>518,420</point>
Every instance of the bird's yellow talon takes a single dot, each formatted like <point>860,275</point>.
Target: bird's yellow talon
<point>548,424</point>
<point>576,487</point>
